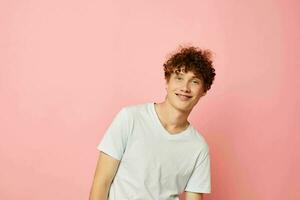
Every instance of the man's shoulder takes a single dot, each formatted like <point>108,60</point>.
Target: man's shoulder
<point>137,108</point>
<point>199,138</point>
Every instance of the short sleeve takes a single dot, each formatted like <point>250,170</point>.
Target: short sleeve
<point>115,138</point>
<point>200,180</point>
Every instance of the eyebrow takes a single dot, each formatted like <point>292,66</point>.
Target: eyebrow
<point>191,77</point>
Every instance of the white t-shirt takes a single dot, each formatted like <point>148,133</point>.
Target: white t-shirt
<point>155,165</point>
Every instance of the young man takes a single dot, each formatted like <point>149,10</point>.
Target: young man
<point>151,151</point>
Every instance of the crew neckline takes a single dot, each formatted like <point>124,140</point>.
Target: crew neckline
<point>165,132</point>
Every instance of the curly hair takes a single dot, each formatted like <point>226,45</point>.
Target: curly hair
<point>191,59</point>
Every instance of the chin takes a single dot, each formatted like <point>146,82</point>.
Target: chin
<point>183,107</point>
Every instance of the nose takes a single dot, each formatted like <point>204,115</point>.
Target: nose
<point>185,87</point>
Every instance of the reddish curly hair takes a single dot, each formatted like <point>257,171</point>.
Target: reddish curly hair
<point>191,59</point>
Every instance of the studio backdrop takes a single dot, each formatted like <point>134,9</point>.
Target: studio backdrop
<point>67,67</point>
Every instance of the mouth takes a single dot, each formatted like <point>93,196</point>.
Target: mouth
<point>183,97</point>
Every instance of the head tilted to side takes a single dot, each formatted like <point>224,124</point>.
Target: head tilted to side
<point>191,59</point>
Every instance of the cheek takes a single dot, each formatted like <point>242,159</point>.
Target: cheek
<point>198,91</point>
<point>172,86</point>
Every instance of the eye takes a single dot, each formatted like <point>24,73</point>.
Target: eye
<point>178,78</point>
<point>196,82</point>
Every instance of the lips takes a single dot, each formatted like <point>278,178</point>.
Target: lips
<point>183,97</point>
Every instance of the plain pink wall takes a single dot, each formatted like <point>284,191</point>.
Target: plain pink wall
<point>67,67</point>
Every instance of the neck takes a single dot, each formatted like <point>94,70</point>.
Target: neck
<point>171,117</point>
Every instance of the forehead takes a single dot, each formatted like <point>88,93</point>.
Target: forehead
<point>190,74</point>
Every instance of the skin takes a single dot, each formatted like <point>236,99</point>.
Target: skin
<point>105,171</point>
<point>173,113</point>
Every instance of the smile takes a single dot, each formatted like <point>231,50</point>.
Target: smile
<point>183,97</point>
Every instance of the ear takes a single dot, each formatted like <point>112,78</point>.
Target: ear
<point>166,84</point>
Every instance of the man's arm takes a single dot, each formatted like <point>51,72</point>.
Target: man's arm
<point>105,172</point>
<point>193,196</point>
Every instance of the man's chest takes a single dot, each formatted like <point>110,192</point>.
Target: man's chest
<point>151,157</point>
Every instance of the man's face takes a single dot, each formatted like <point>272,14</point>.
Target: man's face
<point>184,90</point>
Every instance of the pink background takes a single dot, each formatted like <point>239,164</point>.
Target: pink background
<point>67,67</point>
